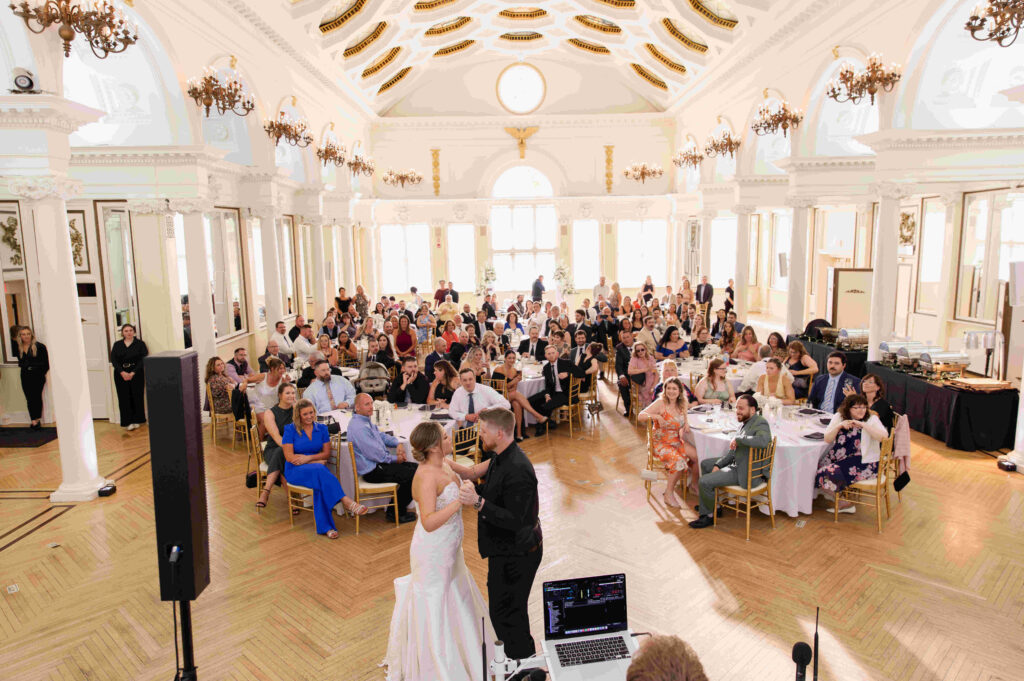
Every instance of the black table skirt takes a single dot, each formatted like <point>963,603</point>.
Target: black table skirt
<point>962,419</point>
<point>855,359</point>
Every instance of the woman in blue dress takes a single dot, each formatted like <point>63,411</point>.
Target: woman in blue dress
<point>307,445</point>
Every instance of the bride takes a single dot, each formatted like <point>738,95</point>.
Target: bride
<point>435,628</point>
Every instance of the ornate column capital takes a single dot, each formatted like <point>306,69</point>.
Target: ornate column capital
<point>801,201</point>
<point>707,214</point>
<point>148,206</point>
<point>36,187</point>
<point>186,206</point>
<point>314,220</point>
<point>744,210</point>
<point>890,190</point>
<point>951,198</point>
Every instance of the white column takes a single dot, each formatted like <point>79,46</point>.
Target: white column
<point>742,287</point>
<point>223,308</point>
<point>883,276</point>
<point>56,296</point>
<point>271,266</point>
<point>200,295</point>
<point>156,272</point>
<point>705,246</point>
<point>348,254</point>
<point>1017,455</point>
<point>797,295</point>
<point>369,250</point>
<point>319,277</point>
<point>953,202</point>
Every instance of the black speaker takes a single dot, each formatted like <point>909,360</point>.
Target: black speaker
<point>179,473</point>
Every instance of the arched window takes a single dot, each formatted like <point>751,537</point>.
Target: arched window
<point>524,234</point>
<point>522,182</point>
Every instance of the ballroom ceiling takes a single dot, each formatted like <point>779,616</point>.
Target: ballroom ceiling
<point>411,58</point>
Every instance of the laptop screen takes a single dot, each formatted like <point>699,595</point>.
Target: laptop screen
<point>585,606</point>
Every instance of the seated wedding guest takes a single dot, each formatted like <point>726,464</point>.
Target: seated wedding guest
<point>348,353</point>
<point>307,448</point>
<point>672,345</point>
<point>668,414</point>
<point>777,344</point>
<point>581,324</point>
<point>447,311</point>
<point>380,314</point>
<point>636,318</point>
<point>665,658</point>
<point>855,434</point>
<point>294,332</point>
<point>274,421</point>
<point>488,307</point>
<point>365,330</point>
<point>346,324</point>
<point>728,339</point>
<point>774,383</point>
<point>731,469</point>
<point>731,317</point>
<point>490,346</point>
<point>474,359</point>
<point>668,297</point>
<point>508,372</point>
<point>442,387</point>
<point>480,324</point>
<point>404,311</point>
<point>471,337</point>
<point>470,398</point>
<point>550,326</point>
<point>590,313</point>
<point>873,390</point>
<point>127,357</point>
<point>557,341</point>
<point>405,338</point>
<point>504,339</point>
<point>671,370</point>
<point>801,366</point>
<point>586,361</point>
<point>714,388</point>
<point>643,370</point>
<point>267,389</point>
<point>441,292</point>
<point>557,372</point>
<point>329,392</point>
<point>534,345</point>
<point>323,346</point>
<point>457,349</point>
<point>720,320</point>
<point>341,301</point>
<point>660,322</point>
<point>671,319</point>
<point>537,317</point>
<point>221,386</point>
<point>753,374</point>
<point>645,335</point>
<point>284,343</point>
<point>689,324</point>
<point>330,329</point>
<point>308,376</point>
<point>627,306</point>
<point>614,298</point>
<point>238,366</point>
<point>410,386</point>
<point>304,345</point>
<point>747,346</point>
<point>623,356</point>
<point>467,314</point>
<point>450,335</point>
<point>375,354</point>
<point>519,307</point>
<point>361,302</point>
<point>425,323</point>
<point>831,388</point>
<point>440,350</point>
<point>273,350</point>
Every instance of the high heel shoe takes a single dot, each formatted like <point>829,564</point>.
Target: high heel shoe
<point>263,504</point>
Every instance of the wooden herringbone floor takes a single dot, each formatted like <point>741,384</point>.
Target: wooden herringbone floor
<point>938,596</point>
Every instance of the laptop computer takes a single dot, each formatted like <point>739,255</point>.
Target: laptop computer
<point>586,637</point>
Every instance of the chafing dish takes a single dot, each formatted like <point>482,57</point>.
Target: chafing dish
<point>890,348</point>
<point>910,358</point>
<point>944,364</point>
<point>828,333</point>
<point>853,339</point>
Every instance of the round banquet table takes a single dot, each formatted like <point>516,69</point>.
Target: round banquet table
<point>796,458</point>
<point>734,374</point>
<point>530,384</point>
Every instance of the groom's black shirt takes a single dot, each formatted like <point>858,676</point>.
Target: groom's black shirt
<point>509,525</point>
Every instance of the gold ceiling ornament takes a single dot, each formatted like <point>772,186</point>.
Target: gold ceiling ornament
<point>721,144</point>
<point>362,44</point>
<point>428,5</point>
<point>641,172</point>
<point>225,92</point>
<point>588,46</point>
<point>619,4</point>
<point>689,156</point>
<point>712,16</point>
<point>853,86</point>
<point>684,39</point>
<point>996,20</point>
<point>448,26</point>
<point>521,36</point>
<point>386,59</point>
<point>331,153</point>
<point>400,178</point>
<point>105,27</point>
<point>435,167</point>
<point>770,119</point>
<point>337,22</point>
<point>522,13</point>
<point>521,135</point>
<point>660,56</point>
<point>295,133</point>
<point>360,165</point>
<point>393,81</point>
<point>649,77</point>
<point>457,47</point>
<point>609,152</point>
<point>597,23</point>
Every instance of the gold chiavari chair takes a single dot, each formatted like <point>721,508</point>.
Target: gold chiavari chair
<point>695,378</point>
<point>363,491</point>
<point>297,499</point>
<point>609,368</point>
<point>466,445</point>
<point>872,491</point>
<point>654,470</point>
<point>573,410</point>
<point>215,418</point>
<point>741,498</point>
<point>256,455</point>
<point>634,402</point>
<point>894,467</point>
<point>704,309</point>
<point>498,383</point>
<point>591,400</point>
<point>346,361</point>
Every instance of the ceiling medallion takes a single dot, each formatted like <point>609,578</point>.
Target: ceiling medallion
<point>717,19</point>
<point>401,178</point>
<point>331,153</point>
<point>226,93</point>
<point>721,144</point>
<point>690,157</point>
<point>337,22</point>
<point>104,26</point>
<point>427,5</point>
<point>452,49</point>
<point>353,50</point>
<point>997,20</point>
<point>619,4</point>
<point>770,120</point>
<point>391,82</point>
<point>649,77</point>
<point>448,26</point>
<point>382,62</point>
<point>521,36</point>
<point>361,166</point>
<point>588,46</point>
<point>641,172</point>
<point>295,133</point>
<point>597,23</point>
<point>522,13</point>
<point>660,56</point>
<point>684,39</point>
<point>853,86</point>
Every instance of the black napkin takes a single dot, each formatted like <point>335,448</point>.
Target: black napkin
<point>814,436</point>
<point>440,417</point>
<point>809,411</point>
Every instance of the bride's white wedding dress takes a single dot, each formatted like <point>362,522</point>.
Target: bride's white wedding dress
<point>435,628</point>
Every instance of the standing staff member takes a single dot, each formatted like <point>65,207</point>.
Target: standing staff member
<point>34,363</point>
<point>127,356</point>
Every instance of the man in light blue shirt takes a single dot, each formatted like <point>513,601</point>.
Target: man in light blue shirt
<point>328,392</point>
<point>375,462</point>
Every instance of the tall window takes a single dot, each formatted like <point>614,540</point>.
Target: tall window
<point>13,281</point>
<point>405,257</point>
<point>782,226</point>
<point>523,241</point>
<point>643,251</point>
<point>586,253</point>
<point>723,251</point>
<point>287,249</point>
<point>929,257</point>
<point>224,264</point>
<point>259,296</point>
<point>462,256</point>
<point>993,237</point>
<point>755,242</point>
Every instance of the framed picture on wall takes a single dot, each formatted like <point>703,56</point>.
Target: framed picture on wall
<point>12,253</point>
<point>79,241</point>
<point>907,234</point>
<point>693,232</point>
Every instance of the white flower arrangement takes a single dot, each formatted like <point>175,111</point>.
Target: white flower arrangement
<point>563,275</point>
<point>711,351</point>
<point>382,414</point>
<point>487,279</point>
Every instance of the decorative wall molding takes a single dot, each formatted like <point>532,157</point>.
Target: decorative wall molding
<point>891,190</point>
<point>45,112</point>
<point>154,206</point>
<point>903,139</point>
<point>801,201</point>
<point>193,205</point>
<point>37,187</point>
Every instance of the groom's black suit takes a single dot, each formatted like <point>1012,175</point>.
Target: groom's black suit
<point>509,536</point>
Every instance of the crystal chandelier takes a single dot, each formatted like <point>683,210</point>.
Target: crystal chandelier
<point>104,26</point>
<point>853,86</point>
<point>642,172</point>
<point>331,153</point>
<point>997,20</point>
<point>402,178</point>
<point>295,133</point>
<point>359,165</point>
<point>689,157</point>
<point>721,144</point>
<point>771,120</point>
<point>227,93</point>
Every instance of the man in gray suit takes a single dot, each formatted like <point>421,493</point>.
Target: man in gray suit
<point>731,469</point>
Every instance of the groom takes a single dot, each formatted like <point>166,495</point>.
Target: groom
<point>508,533</point>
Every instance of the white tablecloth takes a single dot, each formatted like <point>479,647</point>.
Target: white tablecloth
<point>796,458</point>
<point>403,419</point>
<point>734,374</point>
<point>530,384</point>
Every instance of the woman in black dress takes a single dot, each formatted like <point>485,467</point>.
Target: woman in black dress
<point>872,388</point>
<point>274,421</point>
<point>127,356</point>
<point>444,384</point>
<point>342,301</point>
<point>730,297</point>
<point>34,362</point>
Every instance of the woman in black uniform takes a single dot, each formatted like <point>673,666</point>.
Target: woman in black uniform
<point>34,362</point>
<point>127,356</point>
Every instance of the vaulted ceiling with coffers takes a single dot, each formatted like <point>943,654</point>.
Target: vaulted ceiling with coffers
<point>442,57</point>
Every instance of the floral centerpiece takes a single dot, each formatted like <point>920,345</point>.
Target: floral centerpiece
<point>486,279</point>
<point>382,414</point>
<point>711,351</point>
<point>770,406</point>
<point>563,276</point>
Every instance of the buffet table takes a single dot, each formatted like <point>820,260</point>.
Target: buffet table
<point>855,359</point>
<point>962,419</point>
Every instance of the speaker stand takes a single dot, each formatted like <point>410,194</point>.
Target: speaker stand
<point>188,663</point>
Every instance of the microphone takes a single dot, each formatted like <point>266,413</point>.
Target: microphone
<point>802,655</point>
<point>817,612</point>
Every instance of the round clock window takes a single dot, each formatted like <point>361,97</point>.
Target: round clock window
<point>521,88</point>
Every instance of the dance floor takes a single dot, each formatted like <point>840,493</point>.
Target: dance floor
<point>938,595</point>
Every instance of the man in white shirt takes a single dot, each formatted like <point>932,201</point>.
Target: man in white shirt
<point>756,371</point>
<point>537,317</point>
<point>471,398</point>
<point>328,392</point>
<point>589,311</point>
<point>601,291</point>
<point>646,336</point>
<point>304,345</point>
<point>284,343</point>
<point>668,298</point>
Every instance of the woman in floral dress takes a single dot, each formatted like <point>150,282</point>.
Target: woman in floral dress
<point>668,415</point>
<point>855,433</point>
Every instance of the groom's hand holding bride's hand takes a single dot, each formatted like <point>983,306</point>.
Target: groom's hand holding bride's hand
<point>467,493</point>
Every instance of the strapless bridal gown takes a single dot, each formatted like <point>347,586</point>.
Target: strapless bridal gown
<point>435,628</point>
